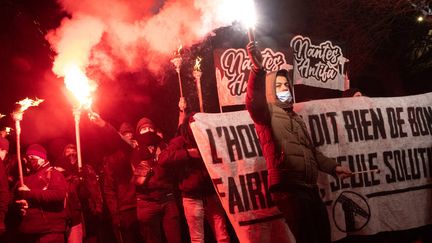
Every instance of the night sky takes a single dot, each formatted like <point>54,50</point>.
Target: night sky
<point>390,55</point>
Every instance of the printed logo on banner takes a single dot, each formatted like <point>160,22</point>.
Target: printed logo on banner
<point>232,70</point>
<point>318,65</point>
<point>355,211</point>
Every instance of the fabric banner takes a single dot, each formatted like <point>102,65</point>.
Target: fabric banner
<point>233,157</point>
<point>386,142</point>
<point>232,68</point>
<point>318,65</point>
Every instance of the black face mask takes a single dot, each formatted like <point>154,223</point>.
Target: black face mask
<point>72,159</point>
<point>34,164</point>
<point>148,139</point>
<point>148,143</point>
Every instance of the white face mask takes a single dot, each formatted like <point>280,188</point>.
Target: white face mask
<point>284,96</point>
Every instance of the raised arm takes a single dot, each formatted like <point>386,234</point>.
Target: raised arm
<point>256,102</point>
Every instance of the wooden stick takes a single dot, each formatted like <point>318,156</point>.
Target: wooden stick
<point>366,171</point>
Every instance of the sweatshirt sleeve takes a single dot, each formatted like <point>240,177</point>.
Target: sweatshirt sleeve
<point>111,139</point>
<point>256,102</point>
<point>175,153</point>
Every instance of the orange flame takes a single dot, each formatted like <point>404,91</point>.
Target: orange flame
<point>197,66</point>
<point>178,52</point>
<point>26,103</point>
<point>79,85</point>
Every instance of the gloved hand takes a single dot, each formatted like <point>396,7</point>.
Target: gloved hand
<point>254,55</point>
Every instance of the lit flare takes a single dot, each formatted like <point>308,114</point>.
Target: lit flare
<point>79,85</point>
<point>240,10</point>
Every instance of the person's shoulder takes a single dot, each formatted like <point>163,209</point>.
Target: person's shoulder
<point>52,171</point>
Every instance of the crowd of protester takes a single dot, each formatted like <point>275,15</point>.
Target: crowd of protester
<point>152,190</point>
<point>147,189</point>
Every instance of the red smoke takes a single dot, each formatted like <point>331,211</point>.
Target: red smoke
<point>125,35</point>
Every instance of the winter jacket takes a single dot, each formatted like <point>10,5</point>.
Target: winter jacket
<point>118,187</point>
<point>119,190</point>
<point>291,157</point>
<point>46,199</point>
<point>194,180</point>
<point>159,183</point>
<point>84,197</point>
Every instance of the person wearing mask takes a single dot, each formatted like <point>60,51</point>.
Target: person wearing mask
<point>292,159</point>
<point>118,187</point>
<point>155,185</point>
<point>84,201</point>
<point>40,200</point>
<point>200,201</point>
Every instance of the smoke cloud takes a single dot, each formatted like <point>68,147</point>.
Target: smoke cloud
<point>115,36</point>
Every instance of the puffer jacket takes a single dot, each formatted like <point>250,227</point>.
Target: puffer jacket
<point>291,157</point>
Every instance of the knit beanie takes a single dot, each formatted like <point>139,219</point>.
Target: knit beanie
<point>4,144</point>
<point>125,127</point>
<point>144,122</point>
<point>38,150</point>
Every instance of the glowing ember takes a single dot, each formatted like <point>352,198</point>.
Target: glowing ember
<point>26,103</point>
<point>77,82</point>
<point>197,66</point>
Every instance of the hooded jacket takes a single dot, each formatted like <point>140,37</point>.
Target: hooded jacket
<point>291,157</point>
<point>194,180</point>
